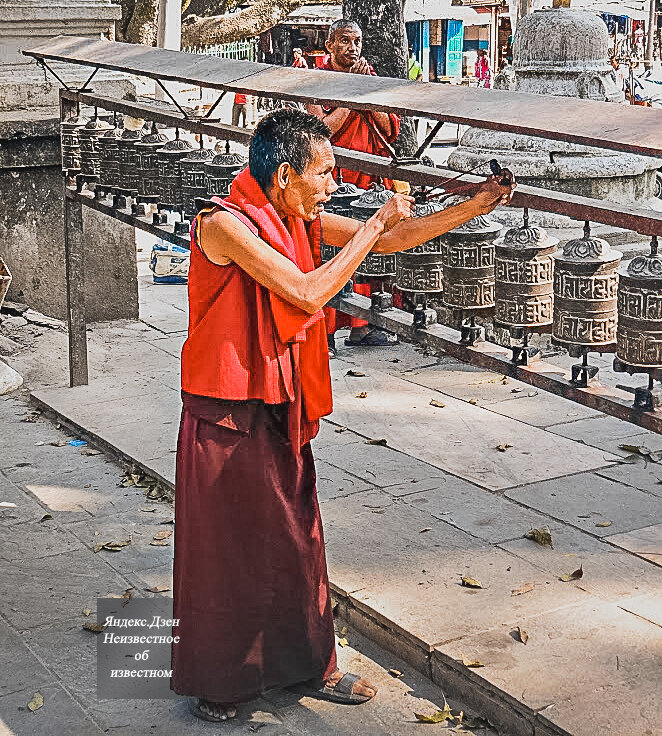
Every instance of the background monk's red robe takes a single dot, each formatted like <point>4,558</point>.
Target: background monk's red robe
<point>357,135</point>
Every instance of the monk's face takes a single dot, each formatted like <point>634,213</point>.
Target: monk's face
<point>345,48</point>
<point>303,195</point>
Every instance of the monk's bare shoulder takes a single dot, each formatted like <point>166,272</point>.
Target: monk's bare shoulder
<point>220,235</point>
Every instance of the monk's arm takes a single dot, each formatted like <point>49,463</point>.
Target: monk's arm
<point>334,119</point>
<point>384,122</point>
<point>337,230</point>
<point>224,238</point>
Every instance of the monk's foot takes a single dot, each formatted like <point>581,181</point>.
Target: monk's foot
<point>211,711</point>
<point>358,333</point>
<point>361,687</point>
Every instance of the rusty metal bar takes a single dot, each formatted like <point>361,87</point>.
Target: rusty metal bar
<point>644,221</point>
<point>628,128</point>
<point>542,375</point>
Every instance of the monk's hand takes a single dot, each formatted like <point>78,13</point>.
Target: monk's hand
<point>360,66</point>
<point>494,191</point>
<point>398,208</point>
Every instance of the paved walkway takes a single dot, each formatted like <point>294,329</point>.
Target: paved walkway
<point>450,492</point>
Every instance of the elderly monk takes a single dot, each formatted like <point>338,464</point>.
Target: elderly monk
<point>251,591</point>
<point>350,129</point>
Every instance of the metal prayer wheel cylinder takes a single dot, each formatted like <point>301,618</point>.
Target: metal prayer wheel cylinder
<point>342,198</point>
<point>194,178</point>
<point>418,270</point>
<point>127,157</point>
<point>90,152</point>
<point>585,286</point>
<point>221,170</point>
<point>524,270</point>
<point>70,142</point>
<point>374,265</point>
<point>639,332</point>
<point>169,160</point>
<point>109,167</point>
<point>468,262</point>
<point>148,167</point>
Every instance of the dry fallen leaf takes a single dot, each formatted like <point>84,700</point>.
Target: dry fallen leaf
<point>150,511</point>
<point>526,588</point>
<point>427,529</point>
<point>112,546</point>
<point>395,673</point>
<point>381,442</point>
<point>36,702</point>
<point>127,595</point>
<point>355,374</point>
<point>90,451</point>
<point>59,443</point>
<point>470,582</point>
<point>439,716</point>
<point>93,627</point>
<point>362,395</point>
<point>476,722</point>
<point>342,642</point>
<point>542,536</point>
<point>163,534</point>
<point>339,430</point>
<point>471,662</point>
<point>604,524</point>
<point>521,635</point>
<point>7,505</point>
<point>438,404</point>
<point>46,517</point>
<point>343,631</point>
<point>576,575</point>
<point>473,401</point>
<point>87,611</point>
<point>503,448</point>
<point>159,589</point>
<point>159,543</point>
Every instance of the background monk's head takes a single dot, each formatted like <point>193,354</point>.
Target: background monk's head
<point>344,44</point>
<point>291,158</point>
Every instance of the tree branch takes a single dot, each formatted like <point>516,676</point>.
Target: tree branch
<point>262,16</point>
<point>142,26</point>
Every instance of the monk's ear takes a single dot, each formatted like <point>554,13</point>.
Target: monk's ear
<point>283,175</point>
<point>328,44</point>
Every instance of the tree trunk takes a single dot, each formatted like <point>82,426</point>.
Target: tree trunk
<point>141,28</point>
<point>262,16</point>
<point>385,47</point>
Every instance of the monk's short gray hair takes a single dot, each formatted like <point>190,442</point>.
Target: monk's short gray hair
<point>342,25</point>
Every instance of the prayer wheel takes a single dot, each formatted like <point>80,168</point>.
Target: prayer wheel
<point>585,285</point>
<point>340,205</point>
<point>468,263</point>
<point>109,167</point>
<point>194,178</point>
<point>70,143</point>
<point>419,269</point>
<point>169,159</point>
<point>639,332</point>
<point>374,265</point>
<point>148,167</point>
<point>524,270</point>
<point>221,170</point>
<point>90,152</point>
<point>127,157</point>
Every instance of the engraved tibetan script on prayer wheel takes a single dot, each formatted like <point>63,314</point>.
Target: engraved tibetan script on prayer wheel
<point>148,168</point>
<point>468,262</point>
<point>127,157</point>
<point>169,160</point>
<point>90,152</point>
<point>70,143</point>
<point>419,269</point>
<point>194,178</point>
<point>374,265</point>
<point>585,283</point>
<point>639,333</point>
<point>109,167</point>
<point>221,170</point>
<point>524,269</point>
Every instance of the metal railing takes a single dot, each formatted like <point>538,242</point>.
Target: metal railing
<point>240,50</point>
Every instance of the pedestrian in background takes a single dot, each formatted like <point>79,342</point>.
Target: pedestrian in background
<point>415,69</point>
<point>240,108</point>
<point>482,69</point>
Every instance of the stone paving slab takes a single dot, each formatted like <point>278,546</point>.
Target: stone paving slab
<point>59,715</point>
<point>19,668</point>
<point>646,542</point>
<point>470,434</point>
<point>641,474</point>
<point>36,540</point>
<point>569,651</point>
<point>411,578</point>
<point>40,591</point>
<point>587,499</point>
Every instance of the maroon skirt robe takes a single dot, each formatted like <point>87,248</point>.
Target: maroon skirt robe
<point>250,588</point>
